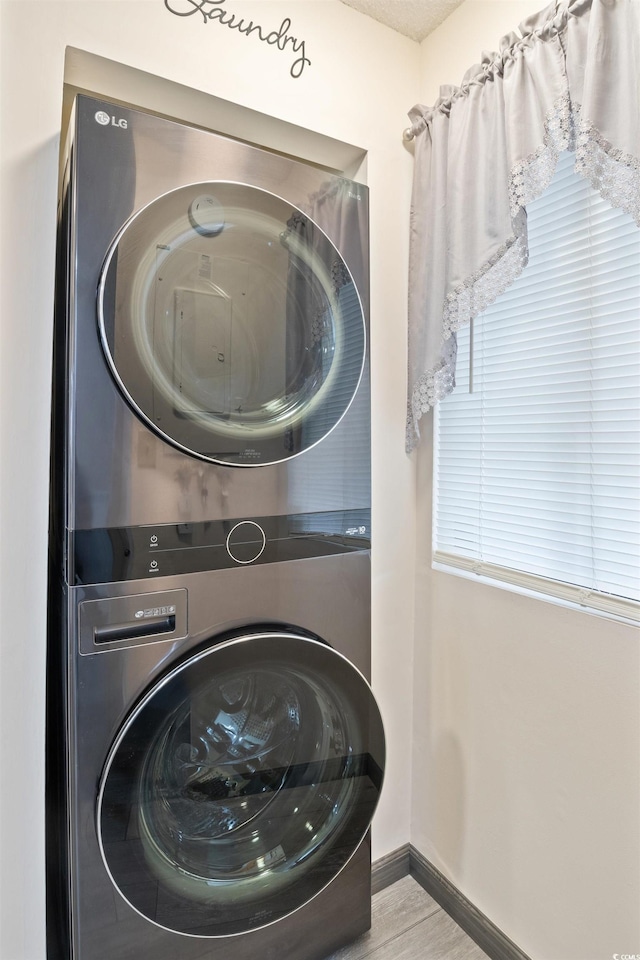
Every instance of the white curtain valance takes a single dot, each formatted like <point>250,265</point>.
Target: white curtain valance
<point>569,78</point>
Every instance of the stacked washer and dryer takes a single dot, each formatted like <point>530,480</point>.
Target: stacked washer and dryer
<point>214,751</point>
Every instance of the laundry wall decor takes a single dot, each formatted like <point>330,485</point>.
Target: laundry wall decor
<point>215,11</point>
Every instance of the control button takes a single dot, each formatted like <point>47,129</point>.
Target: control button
<point>153,541</point>
<point>153,566</point>
<point>246,541</point>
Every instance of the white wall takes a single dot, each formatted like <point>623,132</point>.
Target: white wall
<point>526,752</point>
<point>361,81</point>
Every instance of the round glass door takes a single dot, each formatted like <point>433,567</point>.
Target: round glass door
<point>231,323</point>
<point>241,785</point>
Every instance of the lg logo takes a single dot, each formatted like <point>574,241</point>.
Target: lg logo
<point>105,120</point>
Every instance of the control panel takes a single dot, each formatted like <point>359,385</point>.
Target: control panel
<point>132,553</point>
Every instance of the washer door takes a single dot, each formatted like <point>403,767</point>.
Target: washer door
<point>231,323</point>
<point>241,785</point>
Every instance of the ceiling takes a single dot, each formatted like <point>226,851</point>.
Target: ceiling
<point>413,18</point>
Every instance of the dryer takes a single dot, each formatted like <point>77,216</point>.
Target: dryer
<point>214,751</point>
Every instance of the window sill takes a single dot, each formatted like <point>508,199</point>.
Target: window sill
<point>540,588</point>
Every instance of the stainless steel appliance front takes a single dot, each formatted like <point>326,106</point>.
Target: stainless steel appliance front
<point>241,338</point>
<point>214,750</point>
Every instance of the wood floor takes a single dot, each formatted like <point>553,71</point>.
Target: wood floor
<point>407,924</point>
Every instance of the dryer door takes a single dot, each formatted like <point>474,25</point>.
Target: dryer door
<point>241,784</point>
<point>231,323</point>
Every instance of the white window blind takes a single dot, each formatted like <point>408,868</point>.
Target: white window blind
<point>538,467</point>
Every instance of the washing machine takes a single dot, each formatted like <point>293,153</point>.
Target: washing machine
<point>214,750</point>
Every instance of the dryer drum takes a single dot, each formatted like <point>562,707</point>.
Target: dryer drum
<point>241,784</point>
<point>231,323</point>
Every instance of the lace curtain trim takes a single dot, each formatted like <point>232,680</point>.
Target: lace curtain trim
<point>612,173</point>
<point>531,177</point>
<point>431,387</point>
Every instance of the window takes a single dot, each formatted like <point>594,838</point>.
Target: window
<point>538,448</point>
